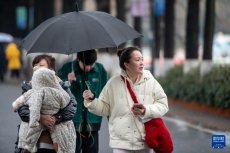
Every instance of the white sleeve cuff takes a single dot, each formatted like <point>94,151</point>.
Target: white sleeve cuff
<point>89,104</point>
<point>147,113</point>
<point>15,106</point>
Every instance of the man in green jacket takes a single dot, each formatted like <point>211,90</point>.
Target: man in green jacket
<point>86,124</point>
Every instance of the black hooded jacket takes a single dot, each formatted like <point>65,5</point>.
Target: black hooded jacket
<point>64,114</point>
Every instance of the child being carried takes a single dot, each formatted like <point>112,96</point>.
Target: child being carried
<point>46,97</point>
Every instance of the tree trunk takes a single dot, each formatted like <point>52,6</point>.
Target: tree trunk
<point>209,29</point>
<point>121,9</point>
<point>152,41</point>
<point>158,35</point>
<point>103,5</point>
<point>137,27</point>
<point>67,6</point>
<point>169,29</point>
<point>192,29</point>
<point>121,14</point>
<point>43,10</point>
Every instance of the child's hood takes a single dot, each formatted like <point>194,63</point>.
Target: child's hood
<point>44,77</point>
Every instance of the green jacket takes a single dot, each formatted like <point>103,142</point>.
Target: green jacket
<point>97,78</point>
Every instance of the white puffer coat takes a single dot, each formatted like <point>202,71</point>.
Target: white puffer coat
<point>126,130</point>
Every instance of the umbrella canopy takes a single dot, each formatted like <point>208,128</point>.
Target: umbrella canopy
<point>5,38</point>
<point>78,31</point>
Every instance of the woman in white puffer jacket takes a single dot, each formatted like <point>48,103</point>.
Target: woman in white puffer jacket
<point>127,133</point>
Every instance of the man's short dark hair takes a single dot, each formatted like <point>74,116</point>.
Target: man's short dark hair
<point>89,55</point>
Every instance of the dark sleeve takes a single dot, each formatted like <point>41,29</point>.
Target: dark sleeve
<point>25,86</point>
<point>24,112</point>
<point>69,111</point>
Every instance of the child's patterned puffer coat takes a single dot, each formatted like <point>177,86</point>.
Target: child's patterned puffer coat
<point>46,97</point>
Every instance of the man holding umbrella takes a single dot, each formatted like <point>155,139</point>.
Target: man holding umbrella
<point>87,124</point>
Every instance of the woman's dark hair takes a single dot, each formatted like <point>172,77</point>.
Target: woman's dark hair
<point>125,55</point>
<point>89,55</point>
<point>49,59</point>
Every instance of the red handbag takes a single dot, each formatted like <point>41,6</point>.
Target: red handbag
<point>157,136</point>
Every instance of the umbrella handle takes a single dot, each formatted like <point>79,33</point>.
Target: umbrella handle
<point>94,96</point>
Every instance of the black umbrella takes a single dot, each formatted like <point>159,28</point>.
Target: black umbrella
<point>78,31</point>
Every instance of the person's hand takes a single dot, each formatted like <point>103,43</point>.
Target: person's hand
<point>138,111</point>
<point>71,77</point>
<point>59,80</point>
<point>14,110</point>
<point>47,121</point>
<point>56,120</point>
<point>87,94</point>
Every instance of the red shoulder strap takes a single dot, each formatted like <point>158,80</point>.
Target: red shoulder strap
<point>130,90</point>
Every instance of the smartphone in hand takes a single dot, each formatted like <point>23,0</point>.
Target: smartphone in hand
<point>139,106</point>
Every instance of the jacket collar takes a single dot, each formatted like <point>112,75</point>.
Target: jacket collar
<point>65,84</point>
<point>77,68</point>
<point>145,75</point>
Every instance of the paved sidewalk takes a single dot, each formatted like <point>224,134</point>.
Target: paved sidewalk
<point>204,118</point>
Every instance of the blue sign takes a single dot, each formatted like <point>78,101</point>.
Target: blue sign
<point>159,7</point>
<point>218,141</point>
<point>21,17</point>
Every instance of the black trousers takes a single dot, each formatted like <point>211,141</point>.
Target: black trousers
<point>15,73</point>
<point>87,142</point>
